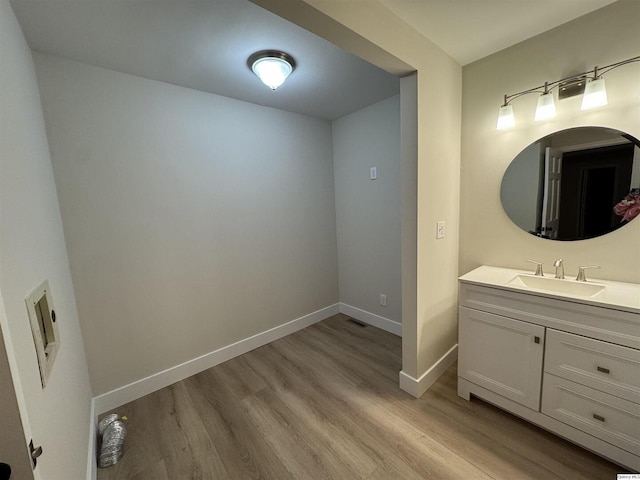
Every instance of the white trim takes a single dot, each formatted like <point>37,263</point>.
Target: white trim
<point>382,323</point>
<point>92,460</point>
<point>152,383</point>
<point>417,387</point>
<point>612,142</point>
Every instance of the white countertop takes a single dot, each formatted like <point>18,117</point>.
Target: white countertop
<point>617,295</point>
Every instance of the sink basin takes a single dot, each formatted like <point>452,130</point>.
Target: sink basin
<point>555,285</point>
<point>622,296</point>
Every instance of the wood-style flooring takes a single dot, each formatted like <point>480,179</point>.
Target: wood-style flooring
<point>324,403</point>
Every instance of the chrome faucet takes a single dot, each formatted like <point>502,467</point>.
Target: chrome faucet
<point>581,276</point>
<point>539,272</point>
<point>559,268</point>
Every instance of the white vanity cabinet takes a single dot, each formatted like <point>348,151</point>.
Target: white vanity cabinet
<point>569,365</point>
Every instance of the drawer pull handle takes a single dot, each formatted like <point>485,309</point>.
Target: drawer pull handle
<point>603,370</point>
<point>536,339</point>
<point>598,417</point>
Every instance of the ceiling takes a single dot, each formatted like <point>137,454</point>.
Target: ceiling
<point>468,30</point>
<point>204,44</point>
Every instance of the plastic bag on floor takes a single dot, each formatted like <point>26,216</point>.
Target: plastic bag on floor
<point>112,431</point>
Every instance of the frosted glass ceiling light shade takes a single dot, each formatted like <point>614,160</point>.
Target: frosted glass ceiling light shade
<point>595,95</point>
<point>546,108</point>
<point>505,118</point>
<point>271,67</point>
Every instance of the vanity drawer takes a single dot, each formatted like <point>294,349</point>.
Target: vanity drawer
<point>604,366</point>
<point>607,324</point>
<point>604,416</point>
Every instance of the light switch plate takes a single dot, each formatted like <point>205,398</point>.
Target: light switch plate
<point>440,229</point>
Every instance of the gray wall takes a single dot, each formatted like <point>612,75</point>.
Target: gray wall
<point>371,31</point>
<point>32,248</point>
<point>192,220</point>
<point>368,211</point>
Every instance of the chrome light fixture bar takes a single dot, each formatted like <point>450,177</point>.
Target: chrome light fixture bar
<point>590,82</point>
<point>272,67</point>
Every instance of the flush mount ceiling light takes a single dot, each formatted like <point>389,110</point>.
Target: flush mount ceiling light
<point>595,94</point>
<point>272,67</point>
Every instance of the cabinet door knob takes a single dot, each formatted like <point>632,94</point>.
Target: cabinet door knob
<point>603,370</point>
<point>536,339</point>
<point>598,417</point>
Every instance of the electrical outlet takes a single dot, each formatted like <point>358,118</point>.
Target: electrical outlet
<point>440,229</point>
<point>383,300</point>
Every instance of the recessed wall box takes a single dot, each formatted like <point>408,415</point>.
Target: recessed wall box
<point>44,328</point>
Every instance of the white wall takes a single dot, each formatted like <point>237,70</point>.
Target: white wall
<point>487,235</point>
<point>368,211</point>
<point>32,248</point>
<point>193,221</point>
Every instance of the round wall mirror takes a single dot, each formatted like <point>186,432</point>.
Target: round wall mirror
<point>574,184</point>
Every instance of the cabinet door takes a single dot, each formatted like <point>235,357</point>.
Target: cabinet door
<point>502,355</point>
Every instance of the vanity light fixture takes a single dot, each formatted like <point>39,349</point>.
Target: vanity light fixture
<point>271,66</point>
<point>591,83</point>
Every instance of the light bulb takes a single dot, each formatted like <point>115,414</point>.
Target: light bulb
<point>272,71</point>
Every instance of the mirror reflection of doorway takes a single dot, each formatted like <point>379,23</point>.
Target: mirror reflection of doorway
<point>552,193</point>
<point>537,182</point>
<point>593,181</point>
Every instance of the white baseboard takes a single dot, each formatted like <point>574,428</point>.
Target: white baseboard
<point>416,387</point>
<point>152,383</point>
<point>382,323</point>
<point>92,461</point>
